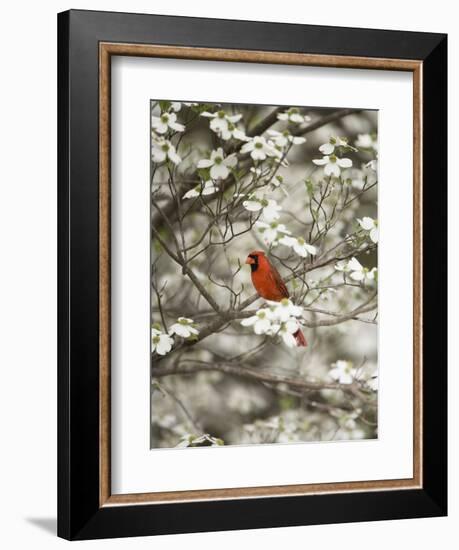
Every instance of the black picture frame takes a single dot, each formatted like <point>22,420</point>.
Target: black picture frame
<point>80,515</point>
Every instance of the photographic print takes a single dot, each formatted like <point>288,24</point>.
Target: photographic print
<point>264,274</point>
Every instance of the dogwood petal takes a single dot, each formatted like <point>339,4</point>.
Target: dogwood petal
<point>344,163</point>
<point>332,169</point>
<point>258,154</point>
<point>158,125</point>
<point>374,234</point>
<point>180,330</point>
<point>247,147</point>
<point>219,171</point>
<point>230,160</point>
<point>322,161</point>
<point>366,223</point>
<point>209,188</point>
<point>297,118</point>
<point>252,206</point>
<point>239,134</point>
<point>205,163</point>
<point>192,193</point>
<point>177,126</point>
<point>234,118</point>
<point>288,339</point>
<point>261,326</point>
<point>297,140</point>
<point>249,321</point>
<point>219,124</point>
<point>354,265</point>
<point>327,148</point>
<point>171,153</point>
<point>158,155</point>
<point>358,275</point>
<point>300,249</point>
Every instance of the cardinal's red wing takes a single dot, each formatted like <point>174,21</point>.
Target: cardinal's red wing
<point>278,282</point>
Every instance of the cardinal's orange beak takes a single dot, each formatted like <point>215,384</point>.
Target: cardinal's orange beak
<point>249,260</point>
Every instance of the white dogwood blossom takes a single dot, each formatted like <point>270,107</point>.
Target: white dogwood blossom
<point>161,343</point>
<point>372,165</point>
<point>162,150</point>
<point>281,139</point>
<point>259,148</point>
<point>299,245</point>
<point>177,105</point>
<point>270,208</point>
<point>366,141</point>
<point>184,327</point>
<point>343,372</point>
<point>278,319</point>
<point>360,273</point>
<point>261,321</point>
<point>285,310</point>
<point>293,115</point>
<point>219,164</point>
<point>372,382</point>
<point>287,331</point>
<point>165,122</point>
<point>272,232</point>
<point>333,164</point>
<point>357,271</point>
<point>224,125</point>
<point>209,188</point>
<point>371,226</point>
<point>334,141</point>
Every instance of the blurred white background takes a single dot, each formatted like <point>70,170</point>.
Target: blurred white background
<point>28,274</point>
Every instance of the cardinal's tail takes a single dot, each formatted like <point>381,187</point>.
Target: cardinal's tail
<point>300,339</point>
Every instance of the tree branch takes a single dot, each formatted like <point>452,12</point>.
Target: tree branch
<point>192,366</point>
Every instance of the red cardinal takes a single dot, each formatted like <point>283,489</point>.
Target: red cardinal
<point>269,284</point>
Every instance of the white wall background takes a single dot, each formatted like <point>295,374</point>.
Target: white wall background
<point>28,271</point>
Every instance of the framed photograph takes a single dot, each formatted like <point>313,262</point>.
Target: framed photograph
<point>252,274</point>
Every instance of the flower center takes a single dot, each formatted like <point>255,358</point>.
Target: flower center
<point>165,147</point>
<point>261,314</point>
<point>264,203</point>
<point>285,301</point>
<point>332,158</point>
<point>259,145</point>
<point>301,240</point>
<point>156,340</point>
<point>218,160</point>
<point>221,114</point>
<point>165,117</point>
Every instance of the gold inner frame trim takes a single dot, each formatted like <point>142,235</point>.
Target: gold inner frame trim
<point>106,51</point>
